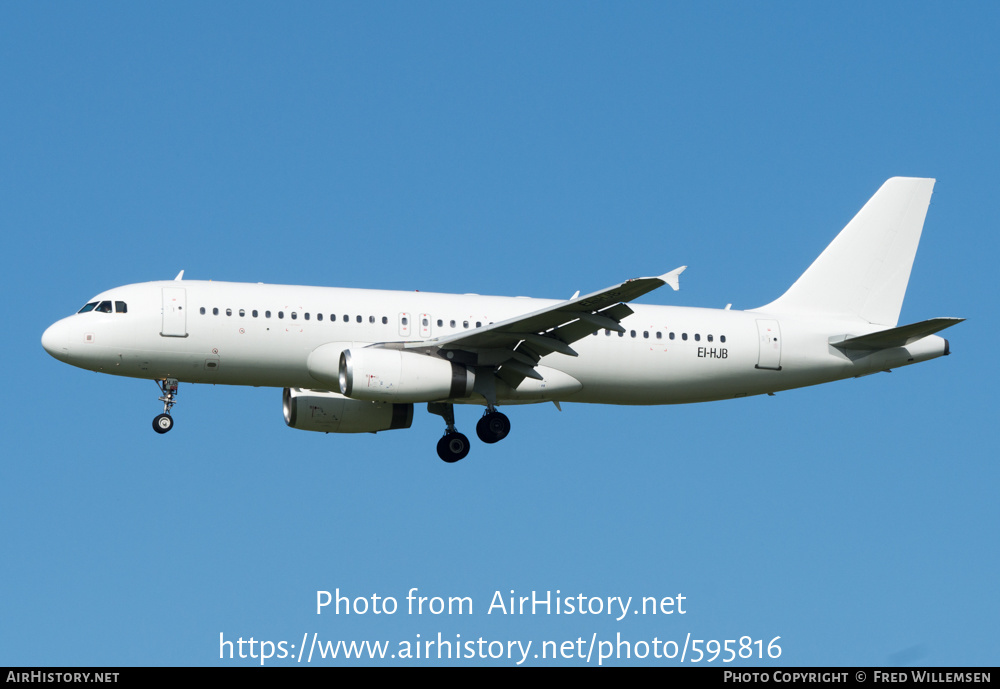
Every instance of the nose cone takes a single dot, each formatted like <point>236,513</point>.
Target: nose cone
<point>55,340</point>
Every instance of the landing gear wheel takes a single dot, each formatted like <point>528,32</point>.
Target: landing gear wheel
<point>168,395</point>
<point>453,447</point>
<point>163,423</point>
<point>493,427</point>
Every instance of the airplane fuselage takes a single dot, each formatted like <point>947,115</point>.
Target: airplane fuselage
<point>262,335</point>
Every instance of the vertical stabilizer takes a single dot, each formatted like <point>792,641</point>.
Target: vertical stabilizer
<point>863,273</point>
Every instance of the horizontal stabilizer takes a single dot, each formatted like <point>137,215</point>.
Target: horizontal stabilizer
<point>894,337</point>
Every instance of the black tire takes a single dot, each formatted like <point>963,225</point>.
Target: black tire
<point>163,423</point>
<point>453,447</point>
<point>493,427</point>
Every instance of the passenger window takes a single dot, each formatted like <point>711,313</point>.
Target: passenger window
<point>88,307</point>
<point>465,324</point>
<point>659,335</point>
<point>479,324</point>
<point>120,307</point>
<point>385,320</point>
<point>294,315</point>
<point>254,313</point>
<point>242,313</point>
<point>440,323</point>
<point>632,332</point>
<point>405,320</point>
<point>319,316</point>
<point>371,319</point>
<point>452,323</point>
<point>346,318</point>
<point>359,319</point>
<point>697,337</point>
<point>215,311</point>
<point>607,333</point>
<point>229,312</point>
<point>671,336</point>
<point>709,338</point>
<point>684,336</point>
<point>722,338</point>
<point>202,310</point>
<point>267,314</point>
<point>281,314</point>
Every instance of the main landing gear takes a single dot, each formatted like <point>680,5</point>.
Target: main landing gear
<point>453,446</point>
<point>168,389</point>
<point>493,427</point>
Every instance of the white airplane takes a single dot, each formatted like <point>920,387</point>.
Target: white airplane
<point>354,361</point>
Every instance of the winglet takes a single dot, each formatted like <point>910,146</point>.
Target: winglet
<point>180,276</point>
<point>673,277</point>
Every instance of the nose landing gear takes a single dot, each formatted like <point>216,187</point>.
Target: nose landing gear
<point>164,422</point>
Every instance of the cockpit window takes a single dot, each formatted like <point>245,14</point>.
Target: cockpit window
<point>105,307</point>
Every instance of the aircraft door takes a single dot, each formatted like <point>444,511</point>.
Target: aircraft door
<point>174,316</point>
<point>769,337</point>
<point>404,325</point>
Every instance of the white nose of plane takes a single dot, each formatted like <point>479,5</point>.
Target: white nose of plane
<point>56,339</point>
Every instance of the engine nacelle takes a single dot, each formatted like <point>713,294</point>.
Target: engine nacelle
<point>330,412</point>
<point>392,375</point>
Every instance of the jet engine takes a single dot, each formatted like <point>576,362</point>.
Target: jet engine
<point>330,412</point>
<point>393,375</point>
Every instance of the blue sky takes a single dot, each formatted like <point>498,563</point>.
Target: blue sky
<point>516,149</point>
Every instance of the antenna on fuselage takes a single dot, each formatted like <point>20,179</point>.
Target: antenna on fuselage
<point>180,276</point>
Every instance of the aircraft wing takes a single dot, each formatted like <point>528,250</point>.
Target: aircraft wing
<point>516,344</point>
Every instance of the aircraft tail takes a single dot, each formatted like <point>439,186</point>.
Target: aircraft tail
<point>863,273</point>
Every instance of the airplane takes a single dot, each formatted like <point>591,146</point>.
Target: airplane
<point>356,361</point>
